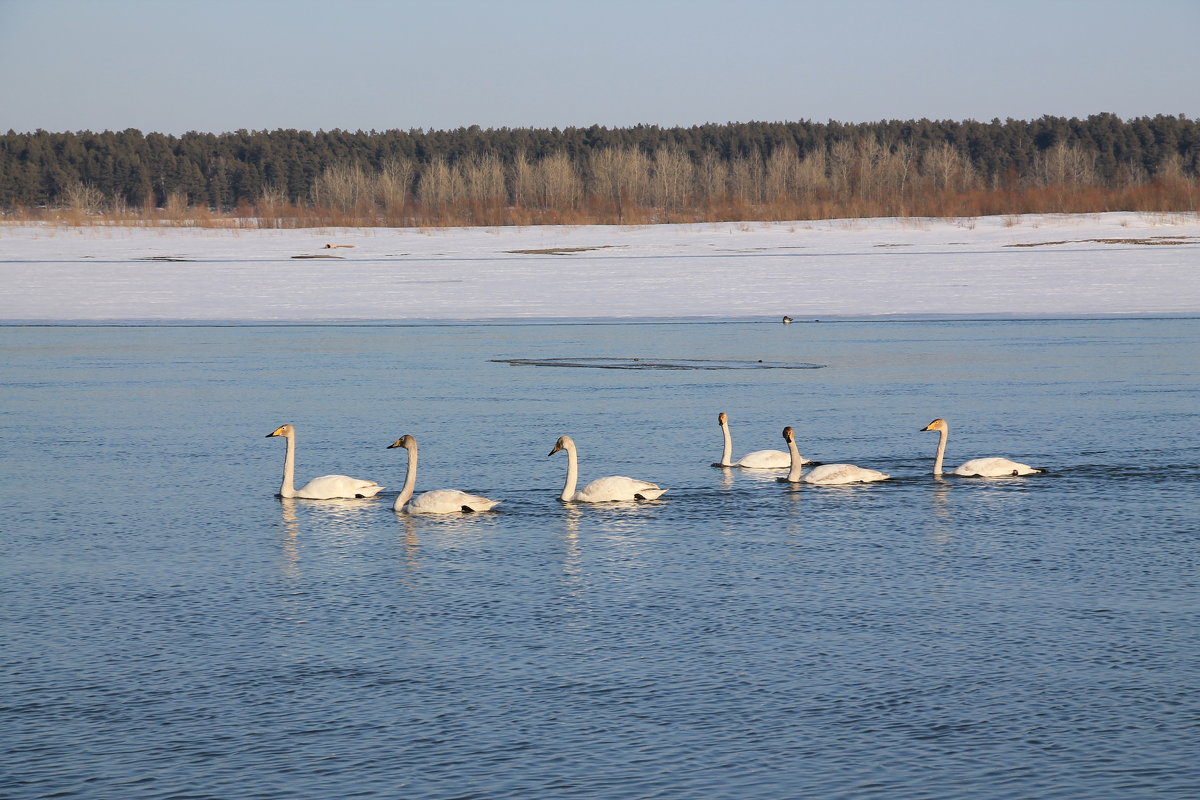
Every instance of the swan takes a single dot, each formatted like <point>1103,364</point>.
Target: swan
<point>976,467</point>
<point>601,490</point>
<point>759,459</point>
<point>326,487</point>
<point>826,474</point>
<point>438,501</point>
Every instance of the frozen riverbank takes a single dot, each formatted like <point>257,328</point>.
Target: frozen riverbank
<point>1061,265</point>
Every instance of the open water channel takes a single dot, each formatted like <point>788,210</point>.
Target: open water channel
<point>172,629</point>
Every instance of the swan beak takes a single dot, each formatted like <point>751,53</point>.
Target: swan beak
<point>276,432</point>
<point>555,450</point>
<point>394,444</point>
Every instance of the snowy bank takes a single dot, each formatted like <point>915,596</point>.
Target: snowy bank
<point>1093,264</point>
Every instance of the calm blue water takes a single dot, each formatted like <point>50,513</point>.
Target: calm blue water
<point>173,630</point>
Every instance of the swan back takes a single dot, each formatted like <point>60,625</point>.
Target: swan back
<point>837,474</point>
<point>332,487</point>
<point>618,487</point>
<point>994,468</point>
<point>449,501</point>
<point>765,459</point>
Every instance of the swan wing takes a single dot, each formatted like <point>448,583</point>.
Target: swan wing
<point>330,487</point>
<point>618,487</point>
<point>833,474</point>
<point>765,459</point>
<point>449,501</point>
<point>994,468</point>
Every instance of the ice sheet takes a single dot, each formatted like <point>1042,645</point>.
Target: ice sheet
<point>1113,263</point>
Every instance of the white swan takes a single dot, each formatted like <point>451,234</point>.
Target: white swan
<point>326,487</point>
<point>976,467</point>
<point>759,459</point>
<point>826,474</point>
<point>438,501</point>
<point>601,490</point>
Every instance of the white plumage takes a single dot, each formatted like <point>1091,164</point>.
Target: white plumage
<point>601,490</point>
<point>326,487</point>
<point>437,501</point>
<point>759,459</point>
<point>826,474</point>
<point>977,467</point>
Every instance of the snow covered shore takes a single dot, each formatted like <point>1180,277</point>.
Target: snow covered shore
<point>1089,264</point>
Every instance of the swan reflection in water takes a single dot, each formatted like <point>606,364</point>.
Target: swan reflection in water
<point>726,479</point>
<point>340,518</point>
<point>290,540</point>
<point>942,529</point>
<point>411,548</point>
<point>572,565</point>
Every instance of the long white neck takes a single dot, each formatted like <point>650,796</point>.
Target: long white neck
<point>727,452</point>
<point>410,480</point>
<point>288,487</point>
<point>941,451</point>
<point>572,473</point>
<point>797,463</point>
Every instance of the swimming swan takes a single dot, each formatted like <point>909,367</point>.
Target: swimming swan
<point>826,474</point>
<point>326,487</point>
<point>601,490</point>
<point>976,467</point>
<point>759,459</point>
<point>438,501</point>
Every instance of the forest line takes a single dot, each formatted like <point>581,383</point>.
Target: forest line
<point>768,171</point>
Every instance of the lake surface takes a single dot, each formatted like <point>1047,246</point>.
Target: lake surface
<point>173,630</point>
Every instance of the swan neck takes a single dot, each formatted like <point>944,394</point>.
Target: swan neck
<point>572,473</point>
<point>288,487</point>
<point>797,463</point>
<point>727,452</point>
<point>941,451</point>
<point>410,480</point>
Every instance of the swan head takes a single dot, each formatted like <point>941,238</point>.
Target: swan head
<point>282,430</point>
<point>788,434</point>
<point>563,443</point>
<point>938,424</point>
<point>405,441</point>
<point>722,419</point>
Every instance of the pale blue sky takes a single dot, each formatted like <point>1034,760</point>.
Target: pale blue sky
<point>220,65</point>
